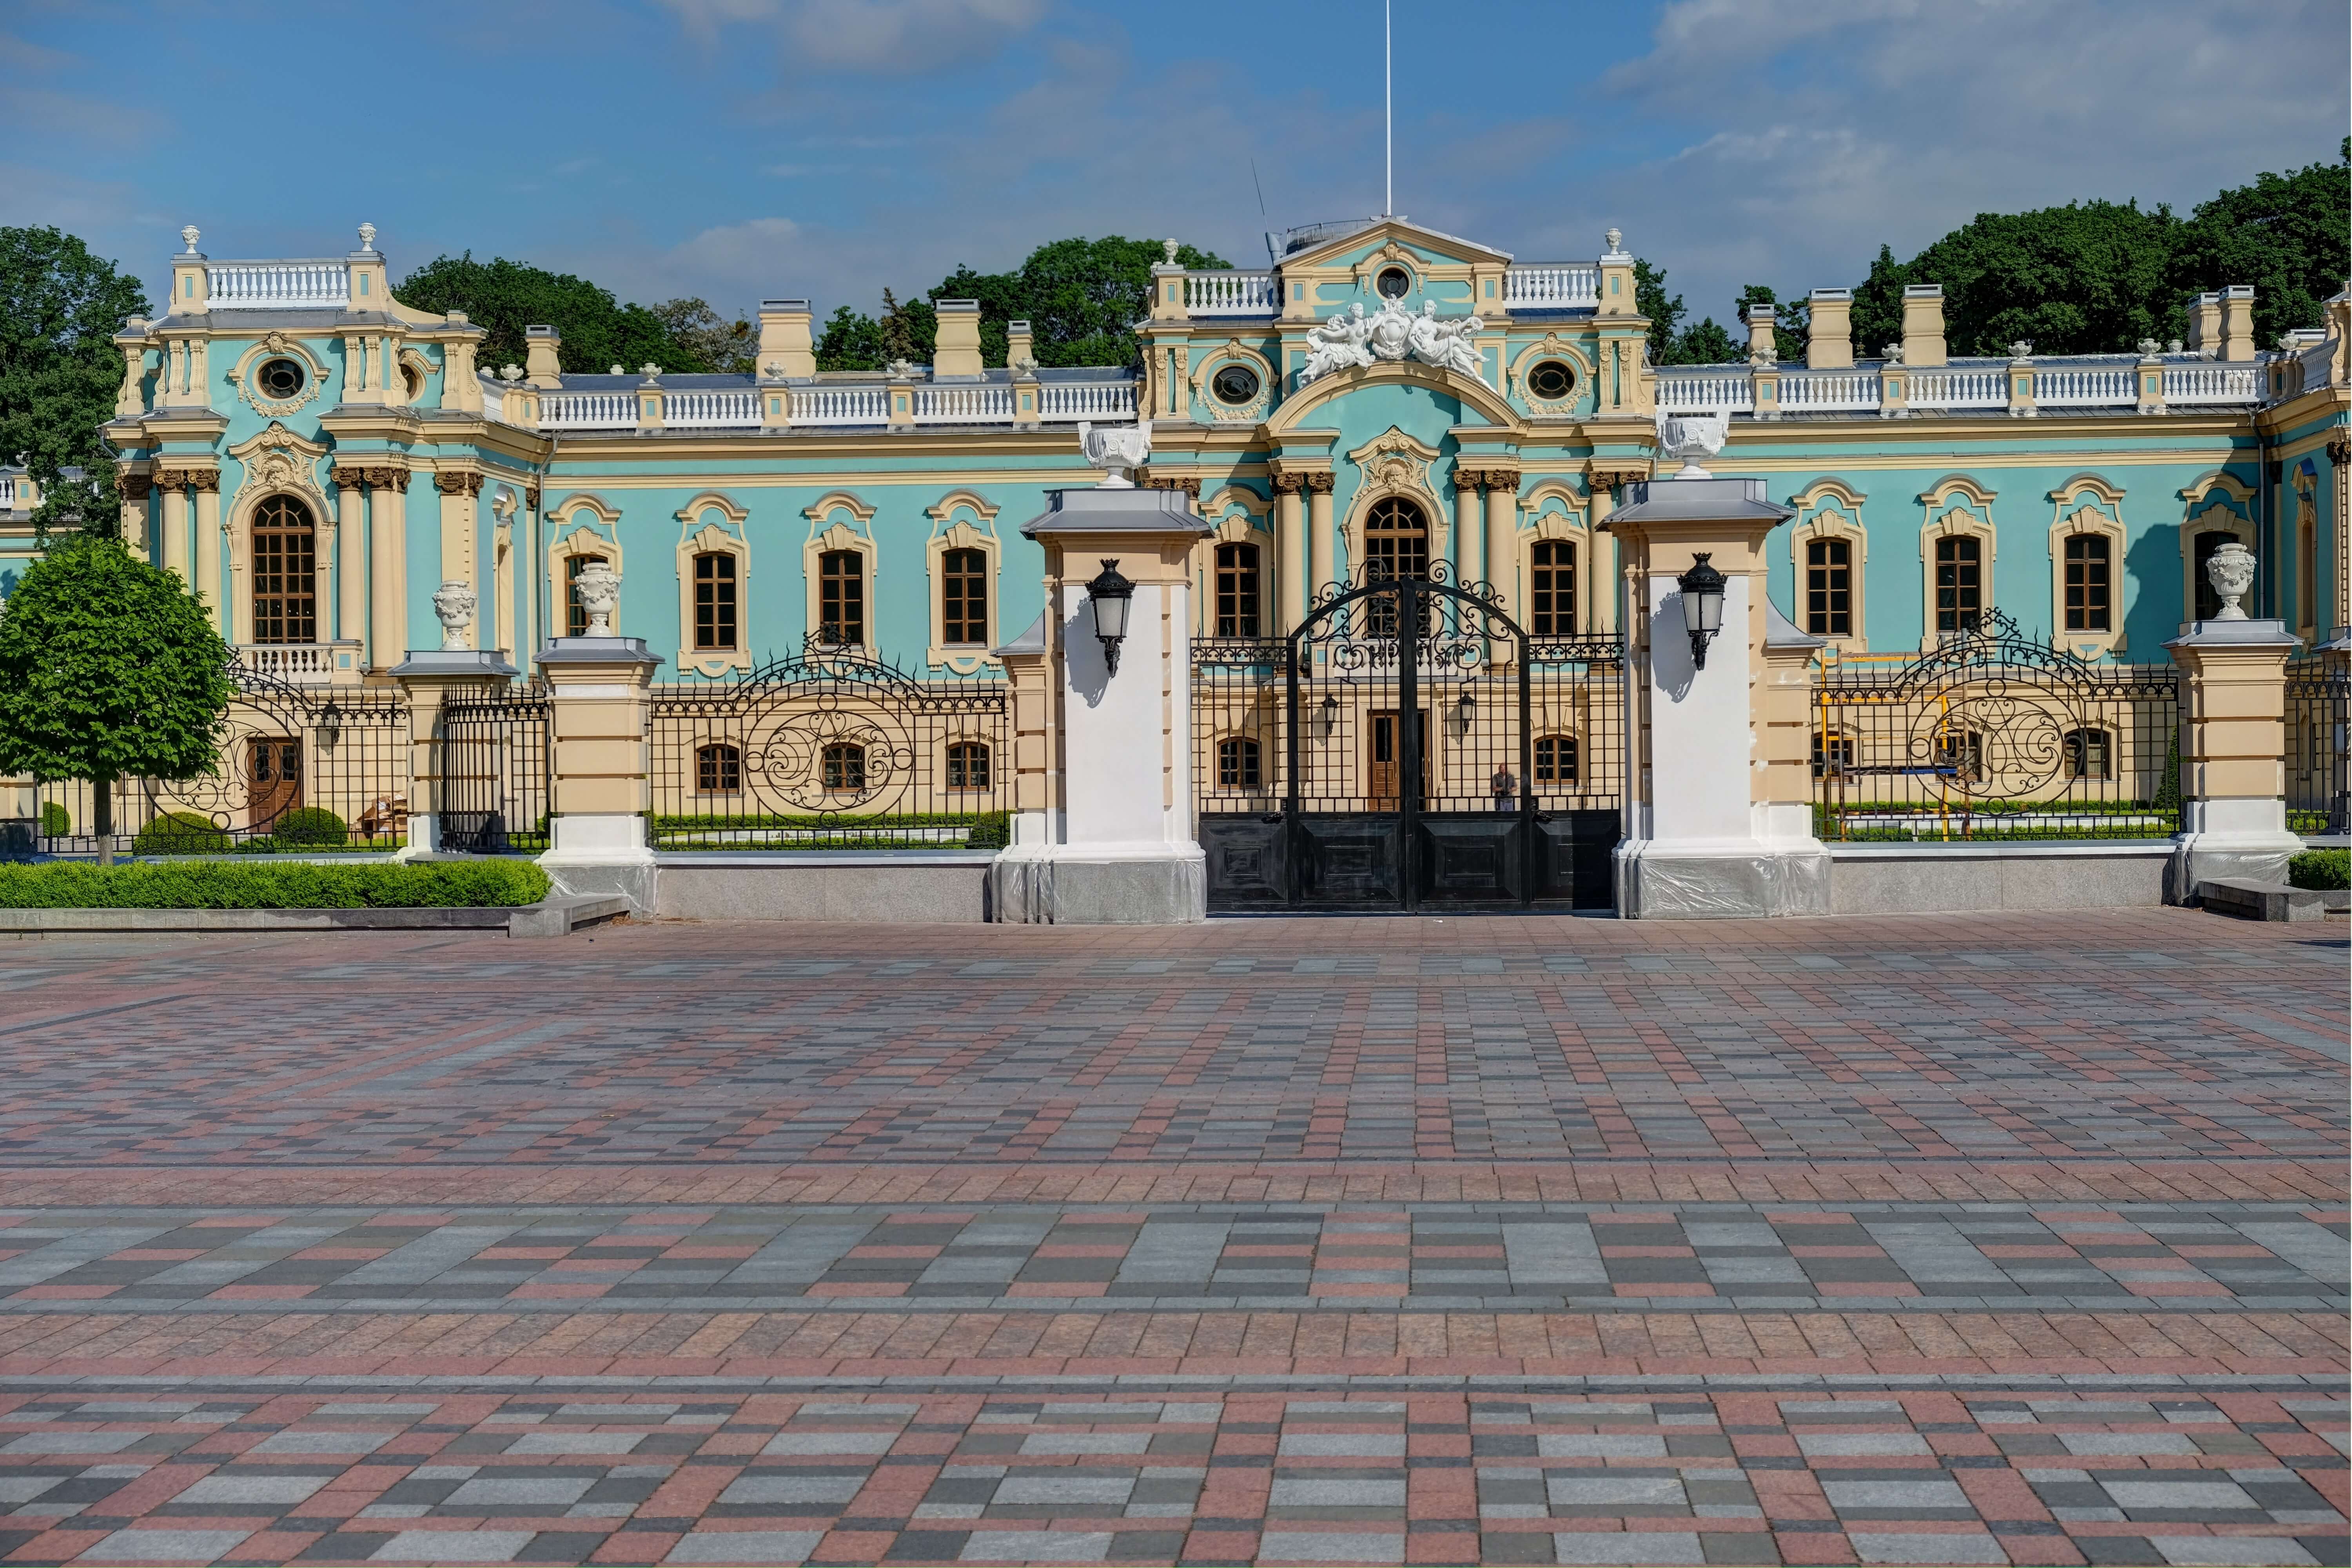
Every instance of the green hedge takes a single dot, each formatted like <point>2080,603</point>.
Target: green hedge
<point>310,827</point>
<point>260,885</point>
<point>2325,869</point>
<point>56,822</point>
<point>181,833</point>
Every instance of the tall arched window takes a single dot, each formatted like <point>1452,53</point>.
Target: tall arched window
<point>1237,590</point>
<point>575,613</point>
<point>1829,587</point>
<point>841,597</point>
<point>1959,582</point>
<point>2089,582</point>
<point>964,598</point>
<point>714,600</point>
<point>1552,590</point>
<point>1396,539</point>
<point>2209,603</point>
<point>285,572</point>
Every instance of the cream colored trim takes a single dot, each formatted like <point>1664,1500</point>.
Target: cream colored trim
<point>1393,464</point>
<point>409,359</point>
<point>1837,516</point>
<point>1239,516</point>
<point>691,512</point>
<point>2203,487</point>
<point>951,532</point>
<point>1959,485</point>
<point>839,536</point>
<point>278,345</point>
<point>1847,498</point>
<point>1954,519</point>
<point>825,505</point>
<point>712,539</point>
<point>2088,517</point>
<point>569,534</point>
<point>2213,516</point>
<point>1570,522</point>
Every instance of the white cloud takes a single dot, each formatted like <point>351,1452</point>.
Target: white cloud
<point>882,37</point>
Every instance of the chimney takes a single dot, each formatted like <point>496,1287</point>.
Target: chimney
<point>2205,325</point>
<point>1763,344</point>
<point>1020,344</point>
<point>787,347</point>
<point>1923,324</point>
<point>957,350</point>
<point>2238,321</point>
<point>1830,346</point>
<point>540,366</point>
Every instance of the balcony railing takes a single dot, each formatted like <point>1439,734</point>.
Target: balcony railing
<point>724,409</point>
<point>588,411</point>
<point>301,663</point>
<point>2105,383</point>
<point>1551,288</point>
<point>1831,391</point>
<point>740,408</point>
<point>278,285</point>
<point>1943,390</point>
<point>1706,389</point>
<point>1230,294</point>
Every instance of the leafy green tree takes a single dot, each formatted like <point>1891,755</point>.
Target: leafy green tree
<point>60,308</point>
<point>110,669</point>
<point>504,297</point>
<point>2284,233</point>
<point>729,347</point>
<point>851,340</point>
<point>1703,343</point>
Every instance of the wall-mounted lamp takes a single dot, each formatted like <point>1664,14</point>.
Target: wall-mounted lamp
<point>329,726</point>
<point>1702,591</point>
<point>1330,715</point>
<point>1111,596</point>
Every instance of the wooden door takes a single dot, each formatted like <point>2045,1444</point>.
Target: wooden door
<point>1388,757</point>
<point>273,778</point>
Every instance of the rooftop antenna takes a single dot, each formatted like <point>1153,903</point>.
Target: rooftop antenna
<point>1261,188</point>
<point>1388,106</point>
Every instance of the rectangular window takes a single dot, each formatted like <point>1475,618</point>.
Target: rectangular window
<point>964,598</point>
<point>1237,591</point>
<point>841,597</point>
<point>1959,582</point>
<point>714,601</point>
<point>1552,590</point>
<point>1829,587</point>
<point>2087,582</point>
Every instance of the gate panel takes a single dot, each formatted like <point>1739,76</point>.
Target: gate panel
<point>496,751</point>
<point>2317,688</point>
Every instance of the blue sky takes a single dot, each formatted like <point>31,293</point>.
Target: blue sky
<point>738,149</point>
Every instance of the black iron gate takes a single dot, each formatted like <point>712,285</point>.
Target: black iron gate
<point>1409,745</point>
<point>496,749</point>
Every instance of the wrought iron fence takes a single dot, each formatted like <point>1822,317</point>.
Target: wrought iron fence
<point>496,750</point>
<point>1994,735</point>
<point>831,749</point>
<point>299,769</point>
<point>2317,789</point>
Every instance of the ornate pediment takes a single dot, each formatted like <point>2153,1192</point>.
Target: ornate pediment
<point>278,461</point>
<point>1393,460</point>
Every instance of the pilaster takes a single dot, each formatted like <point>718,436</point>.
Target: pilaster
<point>203,484</point>
<point>460,557</point>
<point>1319,539</point>
<point>174,483</point>
<point>1502,540</point>
<point>387,633</point>
<point>1290,528</point>
<point>350,557</point>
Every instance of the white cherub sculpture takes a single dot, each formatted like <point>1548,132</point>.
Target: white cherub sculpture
<point>1117,449</point>
<point>1338,344</point>
<point>1458,345</point>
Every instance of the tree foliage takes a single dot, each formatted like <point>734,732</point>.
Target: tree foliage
<point>504,297</point>
<point>729,347</point>
<point>1081,298</point>
<point>60,308</point>
<point>108,668</point>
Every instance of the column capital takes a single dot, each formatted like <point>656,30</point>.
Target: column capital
<point>466,483</point>
<point>348,476</point>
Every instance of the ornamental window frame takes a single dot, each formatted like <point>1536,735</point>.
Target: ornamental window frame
<point>2087,504</point>
<point>1394,464</point>
<point>1832,510</point>
<point>245,376</point>
<point>1233,351</point>
<point>2216,502</point>
<point>1239,516</point>
<point>713,525</point>
<point>1550,346</point>
<point>1956,507</point>
<point>839,520</point>
<point>570,534</point>
<point>961,519</point>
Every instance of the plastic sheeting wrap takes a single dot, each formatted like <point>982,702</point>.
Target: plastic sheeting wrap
<point>1667,885</point>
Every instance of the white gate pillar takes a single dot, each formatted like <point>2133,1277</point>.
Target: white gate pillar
<point>1116,843</point>
<point>1709,829</point>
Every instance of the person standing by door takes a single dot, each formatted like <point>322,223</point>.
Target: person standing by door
<point>1506,788</point>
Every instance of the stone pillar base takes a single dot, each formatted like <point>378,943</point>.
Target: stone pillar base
<point>599,855</point>
<point>1662,880</point>
<point>2225,838</point>
<point>1097,884</point>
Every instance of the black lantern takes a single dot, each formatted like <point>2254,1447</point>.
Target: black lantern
<point>1111,596</point>
<point>1701,590</point>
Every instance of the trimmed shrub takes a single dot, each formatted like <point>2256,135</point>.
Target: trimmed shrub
<point>310,827</point>
<point>56,822</point>
<point>181,833</point>
<point>265,885</point>
<point>2325,870</point>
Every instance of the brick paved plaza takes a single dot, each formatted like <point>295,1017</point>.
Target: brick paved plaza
<point>1959,1240</point>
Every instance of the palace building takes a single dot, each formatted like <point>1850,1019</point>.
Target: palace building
<point>317,460</point>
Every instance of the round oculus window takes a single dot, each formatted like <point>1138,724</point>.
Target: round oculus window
<point>1235,385</point>
<point>1552,380</point>
<point>1394,283</point>
<point>280,378</point>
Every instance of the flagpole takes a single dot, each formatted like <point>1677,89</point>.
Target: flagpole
<point>1388,106</point>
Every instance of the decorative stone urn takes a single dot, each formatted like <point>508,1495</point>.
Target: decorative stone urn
<point>2230,570</point>
<point>599,587</point>
<point>452,606</point>
<point>1692,437</point>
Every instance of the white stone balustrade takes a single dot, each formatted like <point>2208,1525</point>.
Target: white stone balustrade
<point>1230,294</point>
<point>1706,389</point>
<point>1551,288</point>
<point>1065,400</point>
<point>2087,387</point>
<point>588,411</point>
<point>2213,383</point>
<point>1829,392</point>
<point>301,664</point>
<point>963,404</point>
<point>278,285</point>
<point>1943,390</point>
<point>726,408</point>
<point>841,405</point>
